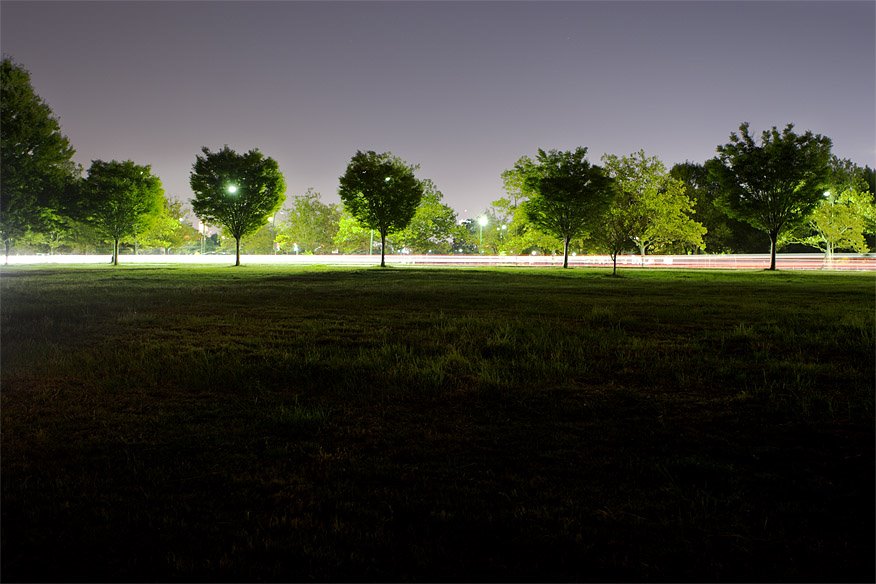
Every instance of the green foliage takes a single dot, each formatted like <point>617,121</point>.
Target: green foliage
<point>351,237</point>
<point>775,184</point>
<point>120,199</point>
<point>510,232</point>
<point>656,209</point>
<point>35,157</point>
<point>843,216</point>
<point>168,229</point>
<point>567,194</point>
<point>236,191</point>
<point>723,233</point>
<point>432,227</point>
<point>311,225</point>
<point>381,192</point>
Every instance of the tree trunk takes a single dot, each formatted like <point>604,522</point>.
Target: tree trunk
<point>565,252</point>
<point>828,255</point>
<point>115,252</point>
<point>774,236</point>
<point>382,248</point>
<point>237,251</point>
<point>614,264</point>
<point>642,253</point>
<point>6,244</point>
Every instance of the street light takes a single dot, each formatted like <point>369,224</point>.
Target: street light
<point>482,222</point>
<point>232,189</point>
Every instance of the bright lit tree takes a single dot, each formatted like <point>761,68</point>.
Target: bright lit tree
<point>168,229</point>
<point>237,191</point>
<point>775,184</point>
<point>310,224</point>
<point>381,192</point>
<point>433,225</point>
<point>658,209</point>
<point>845,213</point>
<point>120,199</point>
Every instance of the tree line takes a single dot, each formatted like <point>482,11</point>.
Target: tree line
<point>782,188</point>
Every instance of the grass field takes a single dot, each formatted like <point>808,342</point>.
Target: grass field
<point>276,423</point>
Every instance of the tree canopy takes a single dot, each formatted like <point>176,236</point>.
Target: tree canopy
<point>776,183</point>
<point>566,194</point>
<point>657,209</point>
<point>433,225</point>
<point>310,225</point>
<point>381,192</point>
<point>237,191</point>
<point>35,157</point>
<point>120,199</point>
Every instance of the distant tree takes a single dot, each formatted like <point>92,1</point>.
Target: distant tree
<point>168,229</point>
<point>236,191</point>
<point>723,233</point>
<point>310,224</point>
<point>567,195</point>
<point>381,192</point>
<point>658,207</point>
<point>351,237</point>
<point>433,225</point>
<point>843,216</point>
<point>120,199</point>
<point>776,184</point>
<point>36,159</point>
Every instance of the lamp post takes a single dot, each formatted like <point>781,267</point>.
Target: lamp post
<point>482,222</point>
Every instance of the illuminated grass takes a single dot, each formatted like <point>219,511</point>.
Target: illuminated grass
<point>275,423</point>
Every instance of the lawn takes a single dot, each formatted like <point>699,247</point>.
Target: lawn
<point>277,423</point>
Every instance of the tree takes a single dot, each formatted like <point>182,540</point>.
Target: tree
<point>618,225</point>
<point>381,192</point>
<point>566,194</point>
<point>168,229</point>
<point>723,233</point>
<point>658,207</point>
<point>35,157</point>
<point>845,213</point>
<point>510,230</point>
<point>311,225</point>
<point>776,184</point>
<point>120,199</point>
<point>433,225</point>
<point>351,237</point>
<point>236,191</point>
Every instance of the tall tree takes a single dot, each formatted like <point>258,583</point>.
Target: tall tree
<point>433,225</point>
<point>566,194</point>
<point>310,224</point>
<point>775,184</point>
<point>236,191</point>
<point>35,157</point>
<point>381,192</point>
<point>660,211</point>
<point>120,199</point>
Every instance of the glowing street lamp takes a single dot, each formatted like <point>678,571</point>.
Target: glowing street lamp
<point>231,189</point>
<point>482,222</point>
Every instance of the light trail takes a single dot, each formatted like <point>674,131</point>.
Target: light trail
<point>806,261</point>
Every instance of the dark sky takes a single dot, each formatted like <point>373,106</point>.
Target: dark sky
<point>461,88</point>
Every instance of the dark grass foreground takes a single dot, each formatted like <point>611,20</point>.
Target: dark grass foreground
<point>182,423</point>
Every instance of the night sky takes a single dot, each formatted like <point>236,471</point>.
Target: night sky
<point>463,89</point>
